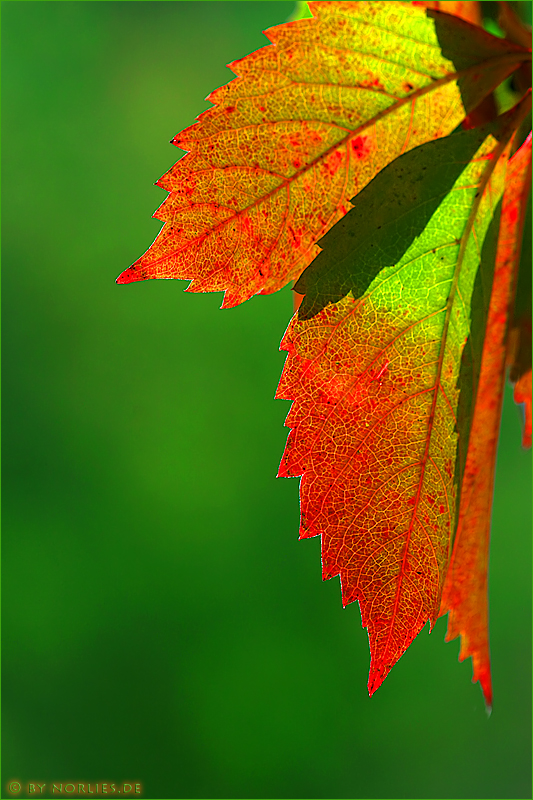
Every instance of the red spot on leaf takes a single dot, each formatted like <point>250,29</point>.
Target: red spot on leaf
<point>360,147</point>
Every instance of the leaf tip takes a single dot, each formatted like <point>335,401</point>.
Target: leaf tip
<point>376,677</point>
<point>231,299</point>
<point>481,673</point>
<point>129,276</point>
<point>485,681</point>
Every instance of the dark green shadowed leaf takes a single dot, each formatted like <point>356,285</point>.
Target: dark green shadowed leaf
<point>387,217</point>
<point>466,45</point>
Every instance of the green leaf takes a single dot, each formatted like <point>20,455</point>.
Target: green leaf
<point>416,204</point>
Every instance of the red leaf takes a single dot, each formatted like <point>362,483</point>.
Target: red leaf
<point>465,589</point>
<point>470,11</point>
<point>374,380</point>
<point>522,394</point>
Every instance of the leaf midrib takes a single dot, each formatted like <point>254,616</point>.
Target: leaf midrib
<point>483,184</point>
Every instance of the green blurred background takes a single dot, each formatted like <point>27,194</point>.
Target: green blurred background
<point>162,623</point>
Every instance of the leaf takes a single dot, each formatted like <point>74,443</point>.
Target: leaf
<point>519,345</point>
<point>465,589</point>
<point>522,394</point>
<point>471,11</point>
<point>373,368</point>
<point>515,30</point>
<point>310,120</point>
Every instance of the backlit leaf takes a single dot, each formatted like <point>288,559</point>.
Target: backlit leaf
<point>519,345</point>
<point>310,120</point>
<point>379,389</point>
<point>522,394</point>
<point>465,589</point>
<point>471,11</point>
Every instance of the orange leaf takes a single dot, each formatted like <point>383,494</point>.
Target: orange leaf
<point>522,394</point>
<point>310,120</point>
<point>373,368</point>
<point>519,360</point>
<point>470,11</point>
<point>465,589</point>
